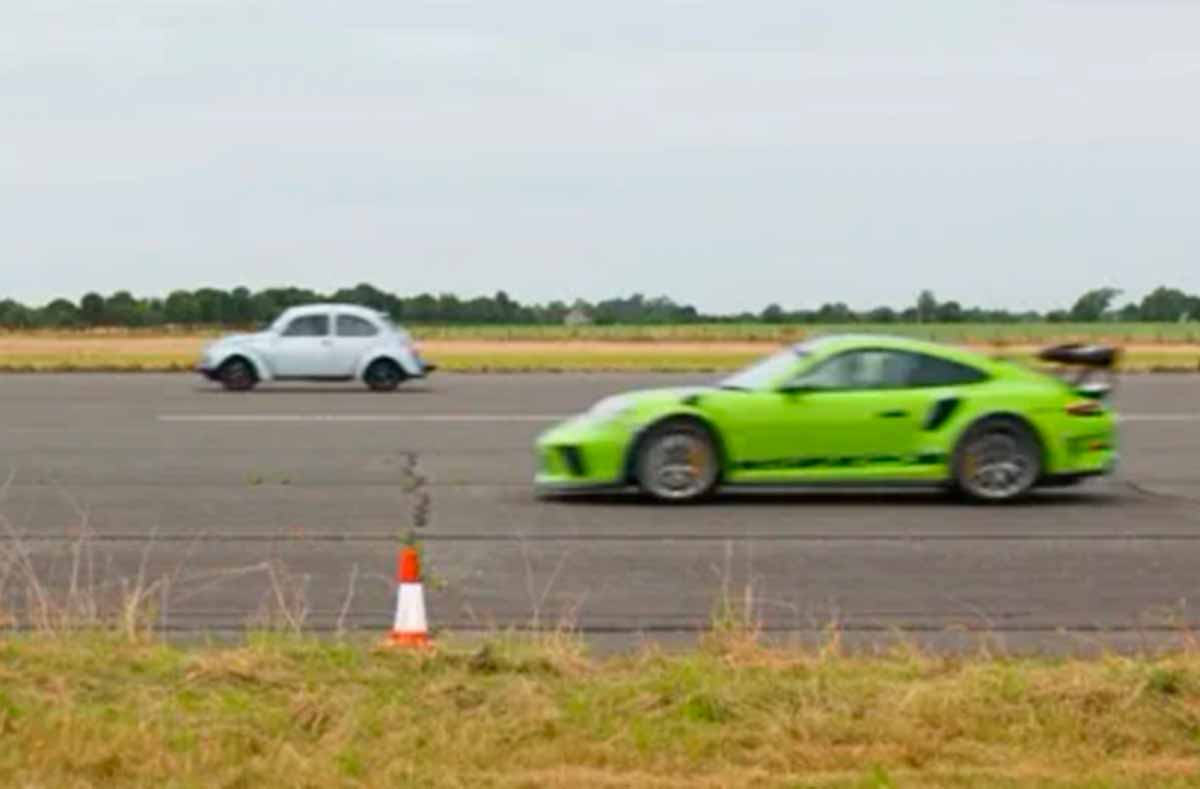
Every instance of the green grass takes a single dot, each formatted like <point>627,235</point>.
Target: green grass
<point>94,710</point>
<point>718,360</point>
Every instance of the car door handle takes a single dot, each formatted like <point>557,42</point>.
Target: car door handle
<point>892,414</point>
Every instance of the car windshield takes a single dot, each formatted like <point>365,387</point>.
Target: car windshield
<point>767,371</point>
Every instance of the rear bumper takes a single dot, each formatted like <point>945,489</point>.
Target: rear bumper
<point>1081,446</point>
<point>1081,467</point>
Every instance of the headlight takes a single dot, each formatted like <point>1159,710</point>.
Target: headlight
<point>611,409</point>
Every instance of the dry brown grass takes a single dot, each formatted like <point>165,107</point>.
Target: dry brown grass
<point>92,710</point>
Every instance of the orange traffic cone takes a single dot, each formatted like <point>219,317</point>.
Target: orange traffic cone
<point>410,628</point>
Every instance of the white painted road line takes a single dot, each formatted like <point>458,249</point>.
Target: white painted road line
<point>341,418</point>
<point>1158,417</point>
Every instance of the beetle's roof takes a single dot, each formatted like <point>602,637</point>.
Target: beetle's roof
<point>346,309</point>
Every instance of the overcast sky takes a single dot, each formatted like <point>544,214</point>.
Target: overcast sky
<point>728,154</point>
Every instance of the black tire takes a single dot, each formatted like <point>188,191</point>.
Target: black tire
<point>237,375</point>
<point>678,462</point>
<point>1061,482</point>
<point>997,460</point>
<point>383,375</point>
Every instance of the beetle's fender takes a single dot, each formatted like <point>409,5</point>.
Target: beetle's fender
<point>401,356</point>
<point>261,369</point>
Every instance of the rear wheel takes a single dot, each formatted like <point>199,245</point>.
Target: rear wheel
<point>383,375</point>
<point>997,460</point>
<point>677,462</point>
<point>237,375</point>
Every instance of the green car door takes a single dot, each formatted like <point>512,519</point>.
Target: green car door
<point>862,414</point>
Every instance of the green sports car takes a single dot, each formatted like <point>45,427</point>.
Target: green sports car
<point>849,409</point>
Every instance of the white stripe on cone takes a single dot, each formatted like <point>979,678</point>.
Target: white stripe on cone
<point>410,611</point>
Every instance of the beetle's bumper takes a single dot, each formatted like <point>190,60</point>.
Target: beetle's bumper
<point>425,368</point>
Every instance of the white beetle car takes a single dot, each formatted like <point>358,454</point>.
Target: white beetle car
<point>318,342</point>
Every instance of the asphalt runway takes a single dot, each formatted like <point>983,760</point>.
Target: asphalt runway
<point>286,504</point>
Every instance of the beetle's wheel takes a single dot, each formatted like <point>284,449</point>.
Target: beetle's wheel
<point>237,375</point>
<point>384,375</point>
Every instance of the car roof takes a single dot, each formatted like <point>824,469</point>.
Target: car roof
<point>346,309</point>
<point>834,343</point>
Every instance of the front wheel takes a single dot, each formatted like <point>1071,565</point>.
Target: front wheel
<point>677,462</point>
<point>383,375</point>
<point>237,375</point>
<point>997,460</point>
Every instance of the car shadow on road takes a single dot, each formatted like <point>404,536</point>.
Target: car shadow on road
<point>312,390</point>
<point>845,498</point>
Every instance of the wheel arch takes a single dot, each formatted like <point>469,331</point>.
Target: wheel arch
<point>406,365</point>
<point>629,467</point>
<point>1034,429</point>
<point>261,371</point>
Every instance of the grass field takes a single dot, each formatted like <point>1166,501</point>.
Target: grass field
<point>98,710</point>
<point>678,348</point>
<point>972,333</point>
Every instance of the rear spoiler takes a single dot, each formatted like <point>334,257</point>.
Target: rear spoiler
<point>1092,361</point>
<point>1099,357</point>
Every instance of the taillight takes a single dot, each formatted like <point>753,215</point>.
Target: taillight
<point>1085,408</point>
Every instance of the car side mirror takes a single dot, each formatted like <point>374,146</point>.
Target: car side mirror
<point>797,387</point>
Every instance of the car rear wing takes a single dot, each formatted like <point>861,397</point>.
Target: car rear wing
<point>1096,366</point>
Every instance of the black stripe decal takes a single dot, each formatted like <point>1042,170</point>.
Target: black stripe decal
<point>842,461</point>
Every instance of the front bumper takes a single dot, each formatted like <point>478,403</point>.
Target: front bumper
<point>581,454</point>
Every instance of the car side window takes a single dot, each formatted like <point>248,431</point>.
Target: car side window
<point>308,326</point>
<point>354,326</point>
<point>932,371</point>
<point>865,369</point>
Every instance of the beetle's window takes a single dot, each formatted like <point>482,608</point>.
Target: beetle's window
<point>354,326</point>
<point>308,326</point>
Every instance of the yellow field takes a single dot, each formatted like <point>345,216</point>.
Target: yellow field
<point>163,352</point>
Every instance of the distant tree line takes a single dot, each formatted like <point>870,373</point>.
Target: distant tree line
<point>240,308</point>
